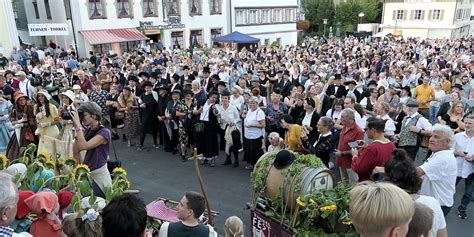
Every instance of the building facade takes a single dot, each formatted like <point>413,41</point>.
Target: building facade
<point>270,21</point>
<point>435,19</point>
<point>9,35</point>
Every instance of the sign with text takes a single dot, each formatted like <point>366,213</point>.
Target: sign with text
<point>48,29</point>
<point>263,226</point>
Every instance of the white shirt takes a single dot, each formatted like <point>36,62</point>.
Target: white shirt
<point>439,222</point>
<point>389,125</point>
<point>464,144</point>
<point>439,180</point>
<point>229,115</point>
<point>307,119</point>
<point>25,87</point>
<point>422,122</point>
<point>237,102</point>
<point>252,119</point>
<point>205,112</point>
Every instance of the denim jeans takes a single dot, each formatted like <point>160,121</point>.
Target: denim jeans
<point>433,111</point>
<point>468,192</point>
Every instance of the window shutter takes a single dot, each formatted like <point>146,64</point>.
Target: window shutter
<point>422,15</point>
<point>394,16</point>
<point>430,14</point>
<point>441,15</point>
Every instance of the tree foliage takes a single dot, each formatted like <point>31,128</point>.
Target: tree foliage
<point>316,11</point>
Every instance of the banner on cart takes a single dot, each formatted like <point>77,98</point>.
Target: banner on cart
<point>48,29</point>
<point>263,226</point>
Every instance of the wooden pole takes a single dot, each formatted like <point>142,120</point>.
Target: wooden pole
<point>203,188</point>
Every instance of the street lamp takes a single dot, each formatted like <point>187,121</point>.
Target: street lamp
<point>325,22</point>
<point>361,14</point>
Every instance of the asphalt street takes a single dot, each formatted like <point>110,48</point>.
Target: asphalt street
<point>156,173</point>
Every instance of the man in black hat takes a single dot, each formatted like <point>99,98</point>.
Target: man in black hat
<point>163,97</point>
<point>213,84</point>
<point>336,90</point>
<point>366,93</point>
<point>351,90</point>
<point>205,81</point>
<point>283,83</point>
<point>175,84</point>
<point>133,84</point>
<point>414,125</point>
<point>185,76</point>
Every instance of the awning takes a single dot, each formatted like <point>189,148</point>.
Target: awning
<point>112,36</point>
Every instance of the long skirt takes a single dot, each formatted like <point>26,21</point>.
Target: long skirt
<point>210,148</point>
<point>18,140</point>
<point>5,134</point>
<point>47,135</point>
<point>253,150</point>
<point>132,125</point>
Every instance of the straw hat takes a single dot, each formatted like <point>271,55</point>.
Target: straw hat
<point>43,92</point>
<point>69,94</point>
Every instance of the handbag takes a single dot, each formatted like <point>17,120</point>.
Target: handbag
<point>199,126</point>
<point>112,164</point>
<point>119,115</point>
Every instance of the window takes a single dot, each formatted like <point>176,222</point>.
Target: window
<point>149,8</point>
<point>240,17</point>
<point>96,9</point>
<point>173,8</point>
<point>266,14</point>
<point>216,7</point>
<point>436,15</point>
<point>253,14</point>
<point>288,15</point>
<point>195,7</point>
<point>276,15</point>
<point>123,9</point>
<point>196,38</point>
<point>177,39</point>
<point>399,15</point>
<point>102,48</point>
<point>48,9</point>
<point>128,46</point>
<point>417,15</point>
<point>216,33</point>
<point>67,8</point>
<point>35,6</point>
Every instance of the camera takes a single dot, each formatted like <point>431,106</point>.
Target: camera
<point>66,115</point>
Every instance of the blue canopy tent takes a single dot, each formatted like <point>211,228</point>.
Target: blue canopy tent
<point>236,37</point>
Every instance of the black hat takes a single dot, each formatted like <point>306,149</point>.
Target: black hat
<point>154,75</point>
<point>164,87</point>
<point>408,89</point>
<point>338,76</point>
<point>299,85</point>
<point>457,85</point>
<point>187,92</point>
<point>191,77</point>
<point>147,83</point>
<point>132,78</point>
<point>141,74</point>
<point>286,73</point>
<point>283,159</point>
<point>310,102</point>
<point>206,70</point>
<point>372,82</point>
<point>215,76</point>
<point>225,93</point>
<point>221,83</point>
<point>176,91</point>
<point>176,77</point>
<point>350,82</point>
<point>185,67</point>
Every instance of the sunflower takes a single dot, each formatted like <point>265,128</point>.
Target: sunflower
<point>81,169</point>
<point>44,155</point>
<point>120,170</point>
<point>50,164</point>
<point>71,161</point>
<point>328,209</point>
<point>123,184</point>
<point>3,161</point>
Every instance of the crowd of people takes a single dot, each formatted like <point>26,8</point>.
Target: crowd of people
<point>357,104</point>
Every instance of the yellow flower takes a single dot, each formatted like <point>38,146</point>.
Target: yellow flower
<point>120,170</point>
<point>347,222</point>
<point>71,161</point>
<point>330,208</point>
<point>4,161</point>
<point>45,155</point>
<point>82,168</point>
<point>124,183</point>
<point>312,201</point>
<point>50,163</point>
<point>300,202</point>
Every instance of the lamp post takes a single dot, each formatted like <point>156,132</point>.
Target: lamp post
<point>361,14</point>
<point>325,22</point>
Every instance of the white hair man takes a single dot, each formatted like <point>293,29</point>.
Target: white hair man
<point>8,204</point>
<point>464,152</point>
<point>440,170</point>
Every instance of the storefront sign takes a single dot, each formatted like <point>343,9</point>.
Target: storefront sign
<point>48,29</point>
<point>263,226</point>
<point>147,26</point>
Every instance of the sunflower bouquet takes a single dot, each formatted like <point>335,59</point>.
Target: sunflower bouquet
<point>120,184</point>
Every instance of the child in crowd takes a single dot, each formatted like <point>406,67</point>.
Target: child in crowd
<point>86,223</point>
<point>276,142</point>
<point>46,207</point>
<point>422,221</point>
<point>234,227</point>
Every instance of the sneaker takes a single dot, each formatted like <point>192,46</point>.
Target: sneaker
<point>249,167</point>
<point>156,146</point>
<point>139,148</point>
<point>462,215</point>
